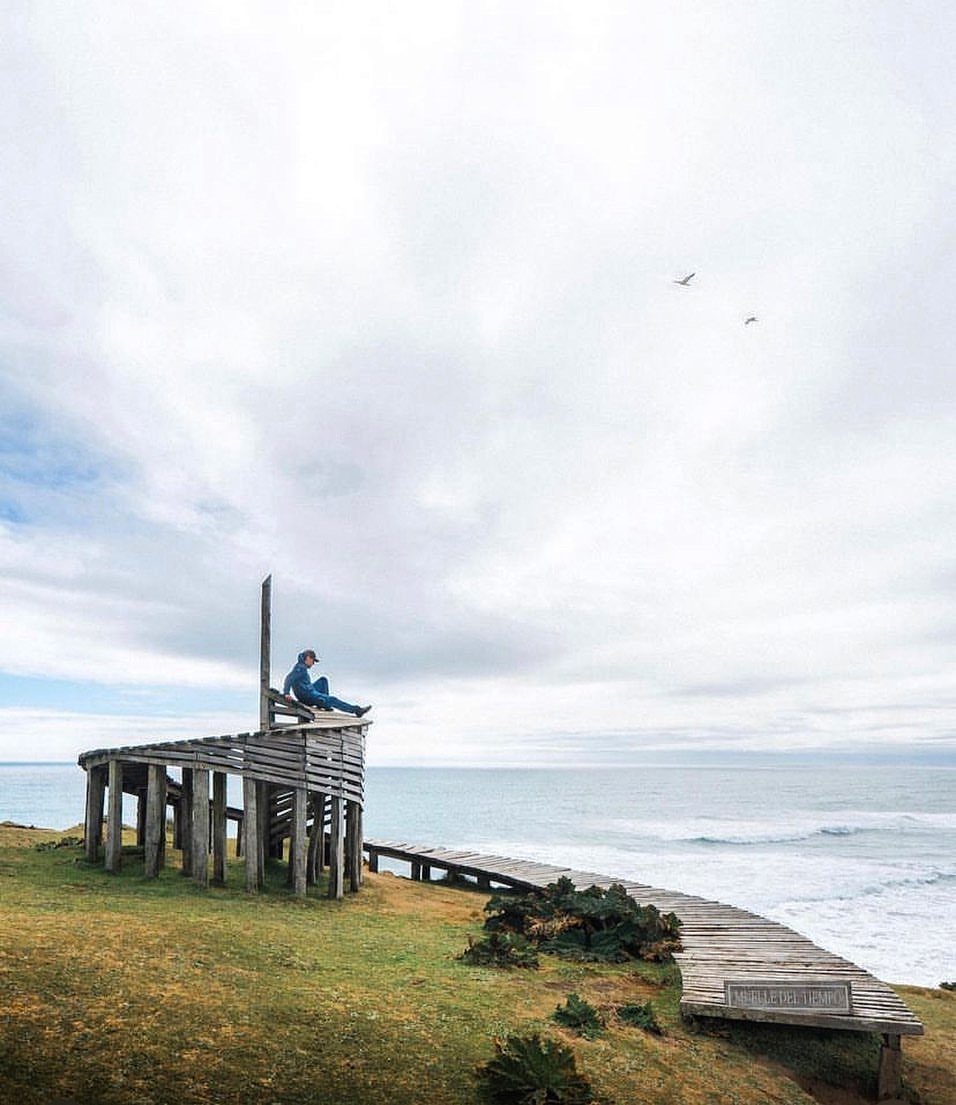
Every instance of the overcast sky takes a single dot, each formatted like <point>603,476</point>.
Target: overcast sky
<point>380,299</point>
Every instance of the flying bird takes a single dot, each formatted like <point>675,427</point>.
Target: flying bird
<point>687,279</point>
<point>748,321</point>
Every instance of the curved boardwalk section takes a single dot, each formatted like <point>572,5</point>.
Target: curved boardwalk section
<point>734,963</point>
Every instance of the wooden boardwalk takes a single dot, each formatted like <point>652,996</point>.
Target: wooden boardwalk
<point>721,944</point>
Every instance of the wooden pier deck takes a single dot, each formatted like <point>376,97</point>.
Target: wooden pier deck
<point>721,944</point>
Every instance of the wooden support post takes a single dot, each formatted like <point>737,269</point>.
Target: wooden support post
<point>889,1078</point>
<point>298,842</point>
<point>155,820</point>
<point>265,653</point>
<point>114,817</point>
<point>416,870</point>
<point>337,849</point>
<point>290,866</point>
<point>141,819</point>
<point>219,827</point>
<point>359,874</point>
<point>200,833</point>
<point>263,812</point>
<point>353,846</point>
<point>484,883</point>
<point>426,873</point>
<point>275,838</point>
<point>95,794</point>
<point>250,838</point>
<point>186,821</point>
<point>316,837</point>
<point>322,803</point>
<point>373,860</point>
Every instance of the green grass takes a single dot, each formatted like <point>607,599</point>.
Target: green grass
<point>117,990</point>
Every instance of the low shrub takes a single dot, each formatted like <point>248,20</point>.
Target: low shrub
<point>580,1016</point>
<point>527,1070</point>
<point>500,949</point>
<point>60,842</point>
<point>639,1015</point>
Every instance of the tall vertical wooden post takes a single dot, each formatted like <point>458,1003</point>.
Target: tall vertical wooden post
<point>155,819</point>
<point>186,821</point>
<point>95,794</point>
<point>219,826</point>
<point>890,1073</point>
<point>353,846</point>
<point>299,844</point>
<point>316,860</point>
<point>141,819</point>
<point>114,817</point>
<point>264,810</point>
<point>250,832</point>
<point>265,652</point>
<point>200,833</point>
<point>337,849</point>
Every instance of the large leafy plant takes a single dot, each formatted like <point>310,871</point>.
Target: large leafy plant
<point>500,949</point>
<point>580,1016</point>
<point>527,1070</point>
<point>593,924</point>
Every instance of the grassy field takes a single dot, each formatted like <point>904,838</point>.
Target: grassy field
<point>115,990</point>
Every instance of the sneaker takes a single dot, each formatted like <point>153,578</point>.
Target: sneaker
<point>362,711</point>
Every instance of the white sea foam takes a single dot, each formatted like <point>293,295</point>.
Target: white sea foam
<point>781,830</point>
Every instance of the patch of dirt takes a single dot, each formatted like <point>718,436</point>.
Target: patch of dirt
<point>834,1095</point>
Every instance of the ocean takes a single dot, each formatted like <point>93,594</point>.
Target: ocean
<point>861,858</point>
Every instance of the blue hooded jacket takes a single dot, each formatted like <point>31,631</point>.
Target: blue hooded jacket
<point>298,680</point>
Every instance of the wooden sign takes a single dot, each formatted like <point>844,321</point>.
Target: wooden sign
<point>796,996</point>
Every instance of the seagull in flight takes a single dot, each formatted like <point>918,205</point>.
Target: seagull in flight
<point>748,321</point>
<point>687,279</point>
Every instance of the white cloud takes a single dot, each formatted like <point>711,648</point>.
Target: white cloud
<point>381,301</point>
<point>62,735</point>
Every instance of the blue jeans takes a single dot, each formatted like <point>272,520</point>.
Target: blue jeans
<point>319,696</point>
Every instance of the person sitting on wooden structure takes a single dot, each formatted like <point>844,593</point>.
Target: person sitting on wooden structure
<point>315,694</point>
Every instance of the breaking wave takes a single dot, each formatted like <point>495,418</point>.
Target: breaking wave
<point>742,832</point>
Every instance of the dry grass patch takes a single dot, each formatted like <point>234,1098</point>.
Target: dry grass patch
<point>116,990</point>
